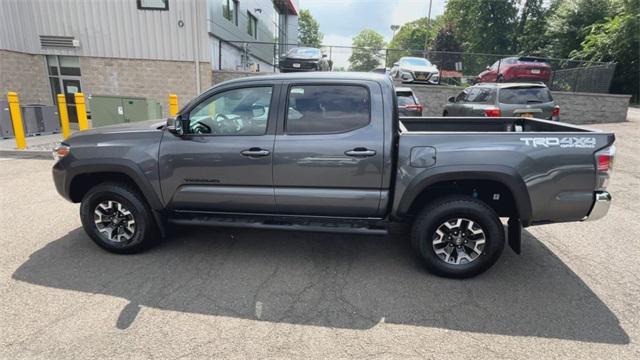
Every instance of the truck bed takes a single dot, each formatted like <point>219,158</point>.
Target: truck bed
<point>484,124</point>
<point>554,163</point>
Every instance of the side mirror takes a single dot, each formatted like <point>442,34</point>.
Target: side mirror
<point>488,67</point>
<point>324,55</point>
<point>451,99</point>
<point>395,64</point>
<point>174,126</point>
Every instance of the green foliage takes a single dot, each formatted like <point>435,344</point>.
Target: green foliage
<point>568,24</point>
<point>410,39</point>
<point>617,39</point>
<point>446,41</point>
<point>483,26</point>
<point>309,30</point>
<point>529,38</point>
<point>367,53</point>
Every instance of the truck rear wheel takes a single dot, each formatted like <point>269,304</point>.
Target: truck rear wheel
<point>458,236</point>
<point>117,218</point>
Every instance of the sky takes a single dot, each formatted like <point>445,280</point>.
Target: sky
<point>341,20</point>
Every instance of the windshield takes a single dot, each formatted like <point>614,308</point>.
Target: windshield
<point>307,52</point>
<point>415,61</point>
<point>525,95</point>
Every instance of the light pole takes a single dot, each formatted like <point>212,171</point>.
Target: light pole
<point>394,28</point>
<point>426,36</point>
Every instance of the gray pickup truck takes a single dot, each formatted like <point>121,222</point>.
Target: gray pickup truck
<point>328,152</point>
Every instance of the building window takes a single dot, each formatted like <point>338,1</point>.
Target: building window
<point>153,4</point>
<point>252,25</point>
<point>230,10</point>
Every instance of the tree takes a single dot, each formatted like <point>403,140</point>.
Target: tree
<point>617,39</point>
<point>568,24</point>
<point>483,26</point>
<point>410,39</point>
<point>309,30</point>
<point>446,43</point>
<point>367,52</point>
<point>529,39</point>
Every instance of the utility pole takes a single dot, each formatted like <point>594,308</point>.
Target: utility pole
<point>426,36</point>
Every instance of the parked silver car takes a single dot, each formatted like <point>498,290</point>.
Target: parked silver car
<point>415,70</point>
<point>504,100</point>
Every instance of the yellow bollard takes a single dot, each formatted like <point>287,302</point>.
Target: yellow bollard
<point>81,110</point>
<point>173,104</point>
<point>16,119</point>
<point>64,117</point>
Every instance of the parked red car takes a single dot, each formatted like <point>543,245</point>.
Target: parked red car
<point>517,69</point>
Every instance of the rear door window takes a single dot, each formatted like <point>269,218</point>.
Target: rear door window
<point>327,109</point>
<point>405,98</point>
<point>530,95</point>
<point>480,95</point>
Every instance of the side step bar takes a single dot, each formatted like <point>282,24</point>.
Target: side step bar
<point>329,225</point>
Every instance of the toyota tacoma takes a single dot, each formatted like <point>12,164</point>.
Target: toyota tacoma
<point>328,152</point>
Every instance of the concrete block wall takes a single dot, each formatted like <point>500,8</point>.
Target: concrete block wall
<point>575,108</point>
<point>25,74</point>
<point>587,108</point>
<point>154,79</point>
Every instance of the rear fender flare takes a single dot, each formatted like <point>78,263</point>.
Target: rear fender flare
<point>503,174</point>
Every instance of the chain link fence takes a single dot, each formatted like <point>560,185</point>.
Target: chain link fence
<point>456,68</point>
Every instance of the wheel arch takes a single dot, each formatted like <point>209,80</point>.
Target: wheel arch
<point>442,181</point>
<point>83,176</point>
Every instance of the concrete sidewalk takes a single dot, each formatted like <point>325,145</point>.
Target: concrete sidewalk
<point>37,146</point>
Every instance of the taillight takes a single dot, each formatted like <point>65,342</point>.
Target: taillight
<point>492,112</point>
<point>414,107</point>
<point>604,166</point>
<point>555,115</point>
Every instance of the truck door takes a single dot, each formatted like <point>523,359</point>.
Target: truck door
<point>328,156</point>
<point>224,160</point>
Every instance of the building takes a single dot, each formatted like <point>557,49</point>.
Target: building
<point>147,48</point>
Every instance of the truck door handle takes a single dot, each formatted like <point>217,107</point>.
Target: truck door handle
<point>360,152</point>
<point>254,152</point>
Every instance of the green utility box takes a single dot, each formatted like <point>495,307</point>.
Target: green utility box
<point>109,110</point>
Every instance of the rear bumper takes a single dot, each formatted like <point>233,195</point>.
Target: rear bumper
<point>600,206</point>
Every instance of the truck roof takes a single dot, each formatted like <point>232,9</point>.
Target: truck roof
<point>328,75</point>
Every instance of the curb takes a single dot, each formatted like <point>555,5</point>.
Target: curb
<point>27,154</point>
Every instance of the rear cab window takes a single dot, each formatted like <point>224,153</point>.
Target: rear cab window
<point>327,109</point>
<point>406,98</point>
<point>525,95</point>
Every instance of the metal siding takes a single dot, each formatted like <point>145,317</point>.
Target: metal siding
<point>112,28</point>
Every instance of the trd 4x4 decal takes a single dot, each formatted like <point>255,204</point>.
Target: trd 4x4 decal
<point>563,142</point>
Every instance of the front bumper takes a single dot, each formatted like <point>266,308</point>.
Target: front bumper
<point>600,206</point>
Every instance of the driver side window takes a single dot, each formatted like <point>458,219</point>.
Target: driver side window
<point>233,113</point>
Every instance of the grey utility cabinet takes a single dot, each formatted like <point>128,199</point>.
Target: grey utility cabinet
<point>40,119</point>
<point>6,126</point>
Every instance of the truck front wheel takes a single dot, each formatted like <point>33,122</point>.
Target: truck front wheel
<point>117,218</point>
<point>458,236</point>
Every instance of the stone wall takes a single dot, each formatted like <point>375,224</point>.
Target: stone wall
<point>575,108</point>
<point>26,75</point>
<point>587,108</point>
<point>154,79</point>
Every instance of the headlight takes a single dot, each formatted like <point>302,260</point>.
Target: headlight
<point>61,151</point>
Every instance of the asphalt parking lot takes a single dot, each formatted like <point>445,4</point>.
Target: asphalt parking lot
<point>232,293</point>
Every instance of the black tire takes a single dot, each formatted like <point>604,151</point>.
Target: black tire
<point>145,231</point>
<point>454,207</point>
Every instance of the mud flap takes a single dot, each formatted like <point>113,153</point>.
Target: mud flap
<point>514,234</point>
